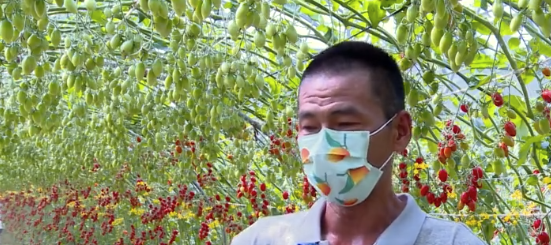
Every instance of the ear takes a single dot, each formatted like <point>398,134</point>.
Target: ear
<point>403,127</point>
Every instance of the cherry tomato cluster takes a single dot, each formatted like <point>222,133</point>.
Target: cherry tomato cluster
<point>546,95</point>
<point>544,125</point>
<point>470,196</point>
<point>453,136</point>
<point>542,238</point>
<point>95,166</point>
<point>434,198</point>
<point>282,144</point>
<point>205,179</point>
<point>141,186</point>
<point>404,177</point>
<point>179,146</point>
<point>249,188</point>
<point>510,131</point>
<point>278,145</point>
<point>308,192</point>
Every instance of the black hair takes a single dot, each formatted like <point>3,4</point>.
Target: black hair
<point>385,76</point>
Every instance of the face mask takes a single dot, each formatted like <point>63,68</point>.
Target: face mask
<point>335,163</point>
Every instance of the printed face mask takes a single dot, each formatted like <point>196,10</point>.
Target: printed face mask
<point>335,163</point>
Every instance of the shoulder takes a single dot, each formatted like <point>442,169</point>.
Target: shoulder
<point>440,231</point>
<point>269,230</point>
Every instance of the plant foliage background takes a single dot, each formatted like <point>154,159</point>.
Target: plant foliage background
<point>161,122</point>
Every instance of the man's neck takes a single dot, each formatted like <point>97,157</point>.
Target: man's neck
<point>367,219</point>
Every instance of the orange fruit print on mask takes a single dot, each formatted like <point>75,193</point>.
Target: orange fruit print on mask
<point>305,156</point>
<point>358,174</point>
<point>324,188</point>
<point>354,176</point>
<point>338,151</point>
<point>337,154</point>
<point>322,185</point>
<point>348,202</point>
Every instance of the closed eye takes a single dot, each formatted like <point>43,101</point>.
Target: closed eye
<point>310,129</point>
<point>348,126</point>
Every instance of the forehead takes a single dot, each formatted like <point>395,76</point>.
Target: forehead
<point>346,91</point>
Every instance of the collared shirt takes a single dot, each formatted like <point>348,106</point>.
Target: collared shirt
<point>412,227</point>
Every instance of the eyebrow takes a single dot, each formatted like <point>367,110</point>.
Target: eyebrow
<point>343,111</point>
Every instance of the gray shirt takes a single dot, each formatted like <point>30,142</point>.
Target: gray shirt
<point>412,227</point>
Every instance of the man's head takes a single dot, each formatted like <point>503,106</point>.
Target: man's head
<point>355,86</point>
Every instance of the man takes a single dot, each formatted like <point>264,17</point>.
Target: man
<point>351,122</point>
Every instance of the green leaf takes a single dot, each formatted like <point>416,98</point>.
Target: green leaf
<point>335,6</point>
<point>308,12</point>
<point>504,29</point>
<point>482,29</point>
<point>515,101</point>
<point>488,230</point>
<point>141,17</point>
<point>526,146</point>
<point>528,76</point>
<point>274,85</point>
<point>532,180</point>
<point>522,128</point>
<point>99,17</point>
<point>433,147</point>
<point>484,4</point>
<point>533,44</point>
<point>483,61</point>
<point>544,48</point>
<point>407,83</point>
<point>375,13</point>
<point>322,28</point>
<point>354,32</point>
<point>483,82</point>
<point>451,170</point>
<point>354,4</point>
<point>147,22</point>
<point>374,39</point>
<point>228,5</point>
<point>328,35</point>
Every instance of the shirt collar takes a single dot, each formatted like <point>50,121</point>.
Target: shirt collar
<point>408,224</point>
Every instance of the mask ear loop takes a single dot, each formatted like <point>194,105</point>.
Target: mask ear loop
<point>384,125</point>
<point>378,130</point>
<point>387,161</point>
